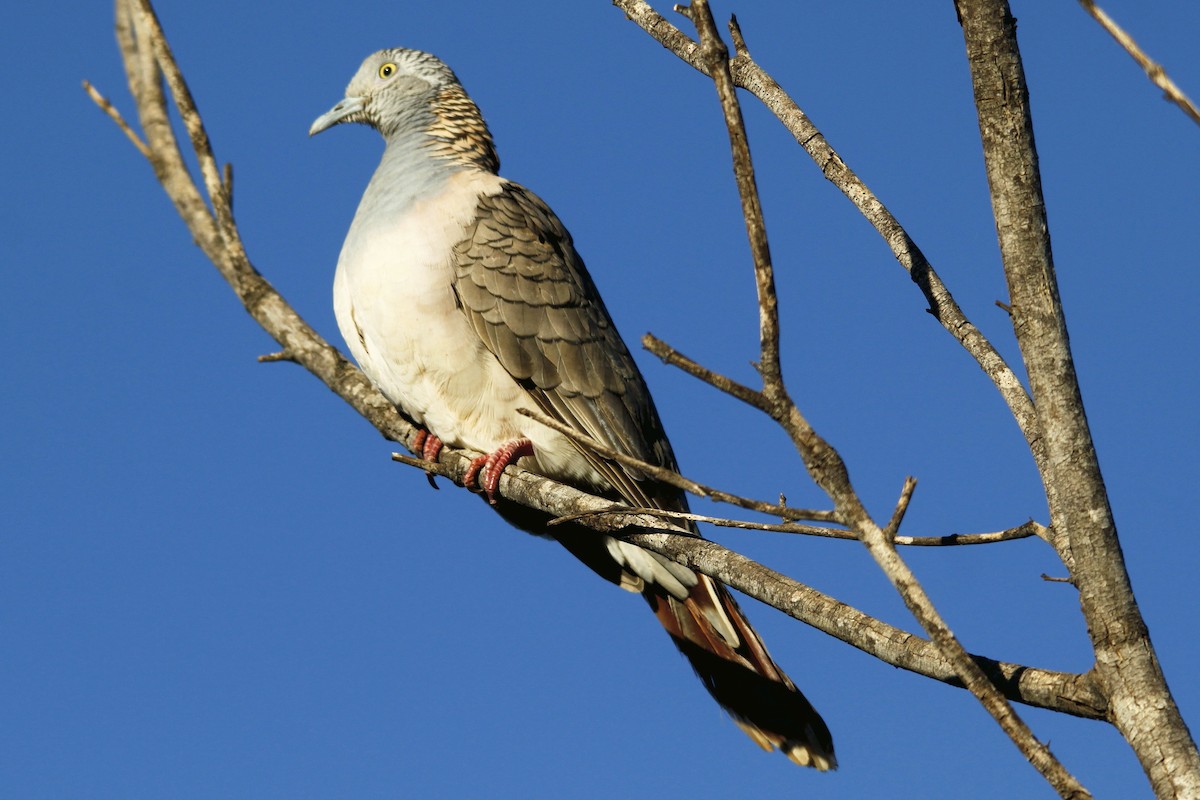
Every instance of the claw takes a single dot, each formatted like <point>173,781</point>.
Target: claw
<point>484,471</point>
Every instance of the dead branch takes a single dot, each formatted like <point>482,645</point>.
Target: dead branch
<point>954,539</point>
<point>1126,665</point>
<point>1154,71</point>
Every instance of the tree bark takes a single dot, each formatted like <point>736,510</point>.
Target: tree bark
<point>1141,705</point>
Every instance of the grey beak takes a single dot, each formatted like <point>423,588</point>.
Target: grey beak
<point>348,109</point>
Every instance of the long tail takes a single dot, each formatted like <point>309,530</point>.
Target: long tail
<point>715,636</point>
<point>732,662</point>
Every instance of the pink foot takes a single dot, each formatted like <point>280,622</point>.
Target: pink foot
<point>429,447</point>
<point>484,471</point>
<point>426,445</point>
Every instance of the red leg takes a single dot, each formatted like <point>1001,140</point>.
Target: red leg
<point>431,448</point>
<point>428,447</point>
<point>484,471</point>
<point>471,476</point>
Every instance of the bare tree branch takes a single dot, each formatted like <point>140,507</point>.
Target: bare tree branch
<point>674,358</point>
<point>1068,693</point>
<point>116,117</point>
<point>955,539</point>
<point>716,58</point>
<point>1126,665</point>
<point>1119,637</point>
<point>1024,531</point>
<point>1154,71</point>
<point>748,75</point>
<point>906,493</point>
<point>822,461</point>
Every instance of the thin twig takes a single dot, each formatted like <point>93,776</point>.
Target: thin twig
<point>673,478</point>
<point>715,57</point>
<point>116,117</point>
<point>218,193</point>
<point>906,493</point>
<point>425,466</point>
<point>786,527</point>
<point>674,358</point>
<point>1154,71</point>
<point>1012,534</point>
<point>1025,531</point>
<point>660,474</point>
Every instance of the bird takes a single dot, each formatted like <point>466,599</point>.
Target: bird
<point>462,298</point>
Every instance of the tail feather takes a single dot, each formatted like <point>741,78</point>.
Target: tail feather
<point>740,674</point>
<point>723,648</point>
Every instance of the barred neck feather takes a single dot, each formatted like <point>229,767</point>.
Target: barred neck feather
<point>459,133</point>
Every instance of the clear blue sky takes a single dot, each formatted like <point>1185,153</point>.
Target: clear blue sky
<point>214,583</point>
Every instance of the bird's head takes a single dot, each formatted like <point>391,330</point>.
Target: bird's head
<point>392,91</point>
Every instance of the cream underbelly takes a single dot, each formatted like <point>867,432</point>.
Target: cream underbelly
<point>397,312</point>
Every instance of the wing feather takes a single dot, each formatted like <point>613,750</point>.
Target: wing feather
<point>529,297</point>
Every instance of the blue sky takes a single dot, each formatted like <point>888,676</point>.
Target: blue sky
<point>214,582</point>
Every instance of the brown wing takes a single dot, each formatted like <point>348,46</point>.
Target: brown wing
<point>530,299</point>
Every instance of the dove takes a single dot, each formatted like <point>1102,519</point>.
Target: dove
<point>462,298</point>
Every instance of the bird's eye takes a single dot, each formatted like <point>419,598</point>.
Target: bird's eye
<point>387,70</point>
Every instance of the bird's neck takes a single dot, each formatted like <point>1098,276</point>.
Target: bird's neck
<point>422,154</point>
<point>458,133</point>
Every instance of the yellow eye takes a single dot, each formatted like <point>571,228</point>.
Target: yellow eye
<point>387,70</point>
